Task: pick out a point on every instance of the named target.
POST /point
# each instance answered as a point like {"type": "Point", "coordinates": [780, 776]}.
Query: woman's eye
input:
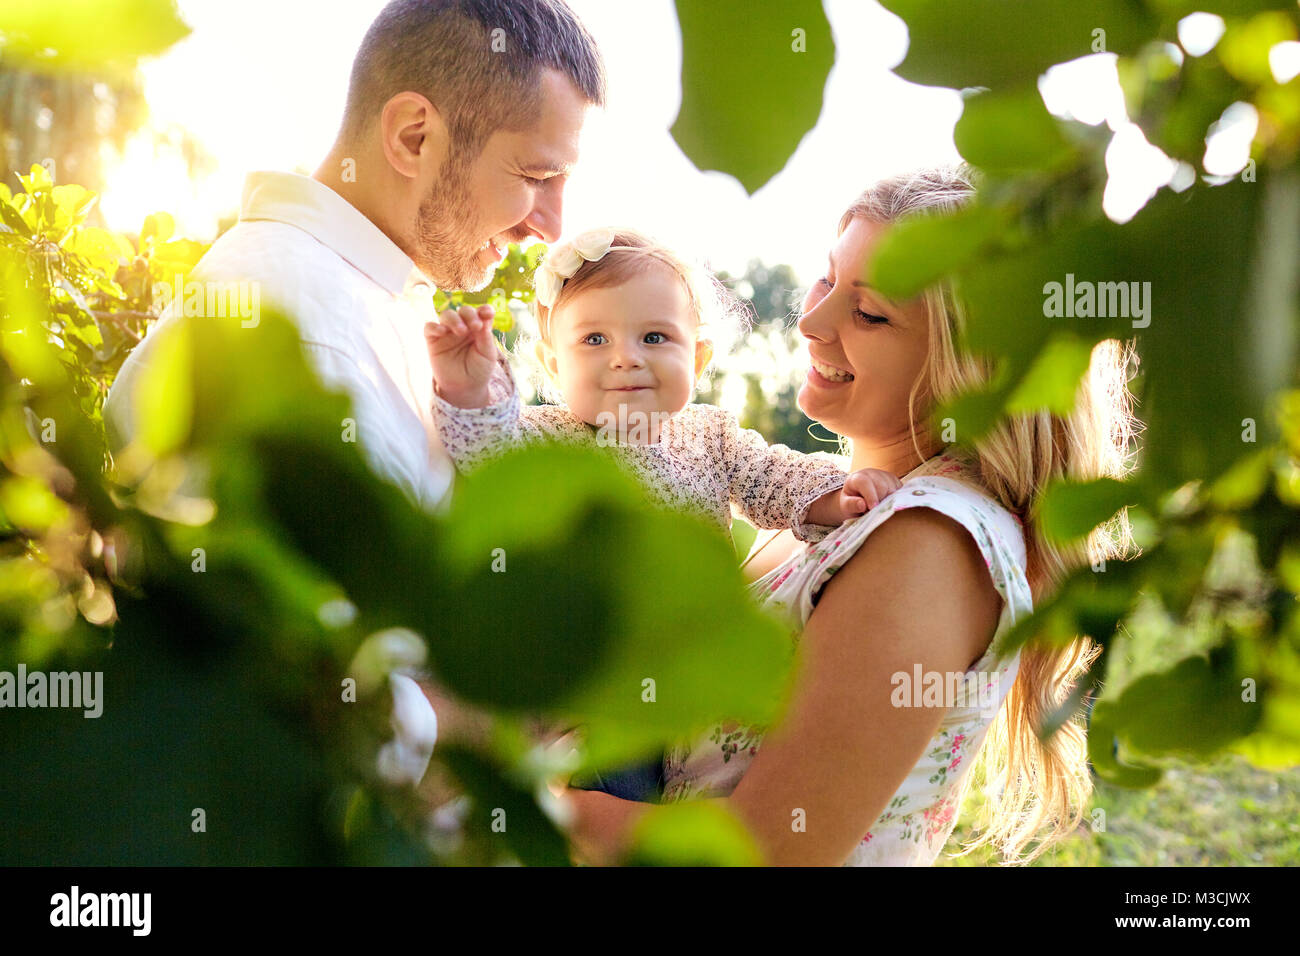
{"type": "Point", "coordinates": [824, 281]}
{"type": "Point", "coordinates": [869, 318]}
{"type": "Point", "coordinates": [655, 338]}
{"type": "Point", "coordinates": [588, 339]}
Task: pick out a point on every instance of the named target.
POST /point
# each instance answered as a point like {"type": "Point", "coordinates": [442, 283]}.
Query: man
{"type": "Point", "coordinates": [460, 129]}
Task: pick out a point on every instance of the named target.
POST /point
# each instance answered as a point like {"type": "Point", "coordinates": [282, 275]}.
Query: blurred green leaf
{"type": "Point", "coordinates": [1052, 381]}
{"type": "Point", "coordinates": [158, 226]}
{"type": "Point", "coordinates": [752, 82]}
{"type": "Point", "coordinates": [505, 812]}
{"type": "Point", "coordinates": [1194, 707]}
{"type": "Point", "coordinates": [88, 34]}
{"type": "Point", "coordinates": [915, 253]}
{"type": "Point", "coordinates": [1010, 132]}
{"type": "Point", "coordinates": [691, 834]}
{"type": "Point", "coordinates": [966, 43]}
{"type": "Point", "coordinates": [1070, 510]}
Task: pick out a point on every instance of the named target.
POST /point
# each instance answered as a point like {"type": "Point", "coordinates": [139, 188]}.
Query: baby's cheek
{"type": "Point", "coordinates": [683, 386]}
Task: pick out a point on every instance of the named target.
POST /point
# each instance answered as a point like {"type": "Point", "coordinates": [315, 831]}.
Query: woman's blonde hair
{"type": "Point", "coordinates": [721, 318]}
{"type": "Point", "coordinates": [1038, 787]}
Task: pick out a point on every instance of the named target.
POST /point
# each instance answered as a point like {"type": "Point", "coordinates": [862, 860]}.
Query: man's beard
{"type": "Point", "coordinates": [445, 234]}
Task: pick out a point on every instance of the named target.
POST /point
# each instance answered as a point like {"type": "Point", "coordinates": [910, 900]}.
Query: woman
{"type": "Point", "coordinates": [865, 766]}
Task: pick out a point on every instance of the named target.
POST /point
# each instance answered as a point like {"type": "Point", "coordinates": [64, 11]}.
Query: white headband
{"type": "Point", "coordinates": [564, 260]}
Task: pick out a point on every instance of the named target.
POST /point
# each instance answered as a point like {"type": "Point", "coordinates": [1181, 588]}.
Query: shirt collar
{"type": "Point", "coordinates": [316, 209]}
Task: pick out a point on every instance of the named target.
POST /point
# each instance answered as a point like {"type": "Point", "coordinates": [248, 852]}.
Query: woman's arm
{"type": "Point", "coordinates": [768, 552]}
{"type": "Point", "coordinates": [916, 592]}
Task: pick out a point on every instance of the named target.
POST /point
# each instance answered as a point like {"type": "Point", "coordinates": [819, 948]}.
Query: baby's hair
{"type": "Point", "coordinates": [721, 318]}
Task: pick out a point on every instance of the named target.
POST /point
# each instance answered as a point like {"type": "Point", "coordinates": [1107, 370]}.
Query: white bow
{"type": "Point", "coordinates": [564, 260]}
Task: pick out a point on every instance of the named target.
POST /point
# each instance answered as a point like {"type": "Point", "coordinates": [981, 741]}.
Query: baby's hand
{"type": "Point", "coordinates": [863, 490]}
{"type": "Point", "coordinates": [463, 354]}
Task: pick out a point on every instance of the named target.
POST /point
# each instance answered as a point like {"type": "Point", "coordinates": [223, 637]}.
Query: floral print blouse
{"type": "Point", "coordinates": [917, 821]}
{"type": "Point", "coordinates": [703, 462]}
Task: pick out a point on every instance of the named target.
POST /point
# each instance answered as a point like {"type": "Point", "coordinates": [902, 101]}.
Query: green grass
{"type": "Point", "coordinates": [1227, 813]}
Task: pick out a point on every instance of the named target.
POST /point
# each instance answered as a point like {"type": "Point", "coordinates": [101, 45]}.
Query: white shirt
{"type": "Point", "coordinates": [360, 305]}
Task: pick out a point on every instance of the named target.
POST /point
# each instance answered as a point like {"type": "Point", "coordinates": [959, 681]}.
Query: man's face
{"type": "Point", "coordinates": [513, 190]}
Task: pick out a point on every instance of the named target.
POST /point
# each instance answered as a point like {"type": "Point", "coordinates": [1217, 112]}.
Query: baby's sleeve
{"type": "Point", "coordinates": [473, 436]}
{"type": "Point", "coordinates": [773, 485]}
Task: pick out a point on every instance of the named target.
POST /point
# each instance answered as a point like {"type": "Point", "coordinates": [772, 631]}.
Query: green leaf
{"type": "Point", "coordinates": [1193, 708]}
{"type": "Point", "coordinates": [73, 204]}
{"type": "Point", "coordinates": [972, 414]}
{"type": "Point", "coordinates": [158, 226]}
{"type": "Point", "coordinates": [176, 257]}
{"type": "Point", "coordinates": [916, 253]}
{"type": "Point", "coordinates": [1103, 747]}
{"type": "Point", "coordinates": [162, 398]}
{"type": "Point", "coordinates": [88, 35]}
{"type": "Point", "coordinates": [1224, 8]}
{"type": "Point", "coordinates": [990, 43]}
{"type": "Point", "coordinates": [743, 535]}
{"type": "Point", "coordinates": [1052, 382]}
{"type": "Point", "coordinates": [36, 181]}
{"type": "Point", "coordinates": [752, 82]}
{"type": "Point", "coordinates": [1071, 510]}
{"type": "Point", "coordinates": [14, 220]}
{"type": "Point", "coordinates": [103, 249]}
{"type": "Point", "coordinates": [1244, 49]}
{"type": "Point", "coordinates": [1010, 131]}
{"type": "Point", "coordinates": [691, 834]}
{"type": "Point", "coordinates": [504, 812]}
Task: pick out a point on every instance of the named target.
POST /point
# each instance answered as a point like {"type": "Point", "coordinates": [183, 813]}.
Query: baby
{"type": "Point", "coordinates": [626, 329]}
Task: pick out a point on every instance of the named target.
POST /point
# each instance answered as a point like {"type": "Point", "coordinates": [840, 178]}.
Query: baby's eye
{"type": "Point", "coordinates": [587, 339]}
{"type": "Point", "coordinates": [655, 338]}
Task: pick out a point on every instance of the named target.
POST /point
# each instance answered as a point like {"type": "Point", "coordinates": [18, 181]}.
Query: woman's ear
{"type": "Point", "coordinates": [703, 352]}
{"type": "Point", "coordinates": [546, 357]}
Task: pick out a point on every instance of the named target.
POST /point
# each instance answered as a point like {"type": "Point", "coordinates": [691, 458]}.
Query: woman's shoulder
{"type": "Point", "coordinates": [974, 517]}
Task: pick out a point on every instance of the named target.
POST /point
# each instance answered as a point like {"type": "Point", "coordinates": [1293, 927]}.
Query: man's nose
{"type": "Point", "coordinates": [546, 220]}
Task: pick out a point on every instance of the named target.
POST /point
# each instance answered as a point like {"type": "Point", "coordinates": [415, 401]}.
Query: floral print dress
{"type": "Point", "coordinates": [917, 821]}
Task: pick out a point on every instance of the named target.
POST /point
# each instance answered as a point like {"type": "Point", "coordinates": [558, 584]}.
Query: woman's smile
{"type": "Point", "coordinates": [824, 373]}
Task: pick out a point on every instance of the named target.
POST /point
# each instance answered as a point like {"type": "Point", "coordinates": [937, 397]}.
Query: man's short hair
{"type": "Point", "coordinates": [479, 79]}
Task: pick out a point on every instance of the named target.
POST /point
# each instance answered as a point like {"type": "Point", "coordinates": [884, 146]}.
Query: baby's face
{"type": "Point", "coordinates": [633, 345]}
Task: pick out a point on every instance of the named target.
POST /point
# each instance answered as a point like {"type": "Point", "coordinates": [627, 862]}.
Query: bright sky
{"type": "Point", "coordinates": [261, 84]}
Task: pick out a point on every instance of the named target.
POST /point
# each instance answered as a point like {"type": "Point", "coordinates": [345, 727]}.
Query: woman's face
{"type": "Point", "coordinates": [867, 351]}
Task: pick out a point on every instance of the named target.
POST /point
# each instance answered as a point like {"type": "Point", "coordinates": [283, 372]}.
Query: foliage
{"type": "Point", "coordinates": [100, 284]}
{"type": "Point", "coordinates": [236, 566]}
{"type": "Point", "coordinates": [89, 35]}
{"type": "Point", "coordinates": [1217, 391]}
{"type": "Point", "coordinates": [742, 85]}
{"type": "Point", "coordinates": [215, 560]}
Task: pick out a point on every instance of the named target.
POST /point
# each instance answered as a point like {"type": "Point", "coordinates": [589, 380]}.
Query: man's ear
{"type": "Point", "coordinates": [703, 352]}
{"type": "Point", "coordinates": [413, 135]}
{"type": "Point", "coordinates": [546, 356]}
